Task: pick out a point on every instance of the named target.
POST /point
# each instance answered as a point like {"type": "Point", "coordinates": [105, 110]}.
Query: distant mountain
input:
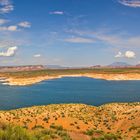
{"type": "Point", "coordinates": [55, 67]}
{"type": "Point", "coordinates": [21, 68]}
{"type": "Point", "coordinates": [96, 66]}
{"type": "Point", "coordinates": [138, 65]}
{"type": "Point", "coordinates": [119, 64]}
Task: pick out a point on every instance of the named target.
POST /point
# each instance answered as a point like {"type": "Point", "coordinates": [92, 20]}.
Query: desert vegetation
{"type": "Point", "coordinates": [76, 121]}
{"type": "Point", "coordinates": [11, 132]}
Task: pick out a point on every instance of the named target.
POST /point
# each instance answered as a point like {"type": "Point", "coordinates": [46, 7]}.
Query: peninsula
{"type": "Point", "coordinates": [30, 76]}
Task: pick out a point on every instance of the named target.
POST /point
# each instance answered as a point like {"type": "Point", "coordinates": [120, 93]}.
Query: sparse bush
{"type": "Point", "coordinates": [15, 133]}
{"type": "Point", "coordinates": [58, 127]}
{"type": "Point", "coordinates": [89, 132]}
{"type": "Point", "coordinates": [9, 132]}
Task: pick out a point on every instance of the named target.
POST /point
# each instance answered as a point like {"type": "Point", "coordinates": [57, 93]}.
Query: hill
{"type": "Point", "coordinates": [55, 67]}
{"type": "Point", "coordinates": [80, 122]}
{"type": "Point", "coordinates": [119, 64]}
{"type": "Point", "coordinates": [21, 68]}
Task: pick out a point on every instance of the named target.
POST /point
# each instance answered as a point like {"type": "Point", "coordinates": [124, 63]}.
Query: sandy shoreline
{"type": "Point", "coordinates": [33, 80]}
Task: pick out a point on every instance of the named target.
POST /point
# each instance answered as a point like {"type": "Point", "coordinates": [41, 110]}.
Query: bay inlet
{"type": "Point", "coordinates": [69, 90]}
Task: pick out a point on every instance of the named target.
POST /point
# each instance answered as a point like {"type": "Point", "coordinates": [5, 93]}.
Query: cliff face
{"type": "Point", "coordinates": [21, 68]}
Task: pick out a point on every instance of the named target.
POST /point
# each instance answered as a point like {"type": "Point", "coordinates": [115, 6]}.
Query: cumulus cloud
{"type": "Point", "coordinates": [14, 28]}
{"type": "Point", "coordinates": [11, 28]}
{"type": "Point", "coordinates": [10, 52]}
{"type": "Point", "coordinates": [79, 40]}
{"type": "Point", "coordinates": [25, 24]}
{"type": "Point", "coordinates": [119, 55]}
{"type": "Point", "coordinates": [37, 55]}
{"type": "Point", "coordinates": [57, 13]}
{"type": "Point", "coordinates": [130, 54]}
{"type": "Point", "coordinates": [7, 9]}
{"type": "Point", "coordinates": [127, 54]}
{"type": "Point", "coordinates": [6, 6]}
{"type": "Point", "coordinates": [130, 3]}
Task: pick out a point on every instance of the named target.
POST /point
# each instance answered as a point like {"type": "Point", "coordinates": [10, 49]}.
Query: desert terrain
{"type": "Point", "coordinates": [23, 78]}
{"type": "Point", "coordinates": [79, 121]}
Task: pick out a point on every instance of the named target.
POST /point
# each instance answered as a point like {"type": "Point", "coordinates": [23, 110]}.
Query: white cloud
{"type": "Point", "coordinates": [79, 40]}
{"type": "Point", "coordinates": [130, 54]}
{"type": "Point", "coordinates": [11, 28]}
{"type": "Point", "coordinates": [3, 21]}
{"type": "Point", "coordinates": [118, 40]}
{"type": "Point", "coordinates": [37, 55]}
{"type": "Point", "coordinates": [130, 3]}
{"type": "Point", "coordinates": [25, 24]}
{"type": "Point", "coordinates": [127, 54]}
{"type": "Point", "coordinates": [4, 2]}
{"type": "Point", "coordinates": [10, 52]}
{"type": "Point", "coordinates": [57, 13]}
{"type": "Point", "coordinates": [6, 9]}
{"type": "Point", "coordinates": [6, 6]}
{"type": "Point", "coordinates": [119, 55]}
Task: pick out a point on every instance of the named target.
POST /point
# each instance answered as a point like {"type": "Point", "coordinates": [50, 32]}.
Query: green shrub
{"type": "Point", "coordinates": [89, 132]}
{"type": "Point", "coordinates": [58, 127]}
{"type": "Point", "coordinates": [15, 133]}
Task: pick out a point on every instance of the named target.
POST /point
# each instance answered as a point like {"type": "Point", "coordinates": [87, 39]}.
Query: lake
{"type": "Point", "coordinates": [69, 90]}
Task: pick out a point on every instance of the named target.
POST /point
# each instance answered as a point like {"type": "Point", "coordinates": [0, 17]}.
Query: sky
{"type": "Point", "coordinates": [69, 32]}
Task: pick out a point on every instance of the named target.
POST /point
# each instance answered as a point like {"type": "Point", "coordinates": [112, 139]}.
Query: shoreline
{"type": "Point", "coordinates": [61, 104]}
{"type": "Point", "coordinates": [11, 81]}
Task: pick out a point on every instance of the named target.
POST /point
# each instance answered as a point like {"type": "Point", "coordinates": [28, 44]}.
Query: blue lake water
{"type": "Point", "coordinates": [69, 90]}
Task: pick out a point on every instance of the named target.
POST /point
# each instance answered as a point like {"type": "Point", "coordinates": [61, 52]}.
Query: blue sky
{"type": "Point", "coordinates": [69, 32]}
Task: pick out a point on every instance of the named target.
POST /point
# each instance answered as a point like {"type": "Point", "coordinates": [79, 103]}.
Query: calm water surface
{"type": "Point", "coordinates": [69, 90]}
